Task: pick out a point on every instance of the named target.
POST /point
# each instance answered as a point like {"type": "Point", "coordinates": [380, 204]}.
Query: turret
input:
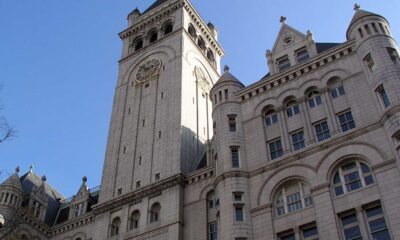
{"type": "Point", "coordinates": [378, 52]}
{"type": "Point", "coordinates": [213, 29]}
{"type": "Point", "coordinates": [133, 16]}
{"type": "Point", "coordinates": [234, 201]}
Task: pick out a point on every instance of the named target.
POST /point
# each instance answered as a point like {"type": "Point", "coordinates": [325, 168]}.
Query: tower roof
{"type": "Point", "coordinates": [154, 5]}
{"type": "Point", "coordinates": [13, 181]}
{"type": "Point", "coordinates": [361, 14]}
{"type": "Point", "coordinates": [228, 77]}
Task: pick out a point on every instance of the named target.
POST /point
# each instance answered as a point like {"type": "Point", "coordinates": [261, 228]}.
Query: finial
{"type": "Point", "coordinates": [356, 6]}
{"type": "Point", "coordinates": [226, 68]}
{"type": "Point", "coordinates": [283, 19]}
{"type": "Point", "coordinates": [31, 168]}
{"type": "Point", "coordinates": [44, 178]}
{"type": "Point", "coordinates": [84, 179]}
{"type": "Point", "coordinates": [17, 170]}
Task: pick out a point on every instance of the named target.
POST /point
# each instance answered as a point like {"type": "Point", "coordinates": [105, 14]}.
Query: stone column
{"type": "Point", "coordinates": [307, 122]}
{"type": "Point", "coordinates": [329, 111]}
{"type": "Point", "coordinates": [284, 130]}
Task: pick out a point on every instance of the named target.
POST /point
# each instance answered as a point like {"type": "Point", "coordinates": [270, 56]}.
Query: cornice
{"type": "Point", "coordinates": [72, 224]}
{"type": "Point", "coordinates": [136, 196]}
{"type": "Point", "coordinates": [200, 175]}
{"type": "Point", "coordinates": [150, 19]}
{"type": "Point", "coordinates": [296, 71]}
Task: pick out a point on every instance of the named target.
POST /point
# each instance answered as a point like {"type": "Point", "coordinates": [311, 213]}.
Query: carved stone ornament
{"type": "Point", "coordinates": [202, 80]}
{"type": "Point", "coordinates": [148, 70]}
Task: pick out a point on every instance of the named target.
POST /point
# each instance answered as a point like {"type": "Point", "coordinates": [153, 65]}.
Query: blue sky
{"type": "Point", "coordinates": [59, 60]}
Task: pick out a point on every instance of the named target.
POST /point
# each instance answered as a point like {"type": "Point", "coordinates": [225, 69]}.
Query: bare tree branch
{"type": "Point", "coordinates": [6, 131]}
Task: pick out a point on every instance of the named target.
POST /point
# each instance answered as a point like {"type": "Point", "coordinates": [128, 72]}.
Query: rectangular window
{"type": "Point", "coordinates": [322, 131]}
{"type": "Point", "coordinates": [337, 91]}
{"type": "Point", "coordinates": [232, 123]}
{"type": "Point", "coordinates": [213, 231]}
{"type": "Point", "coordinates": [287, 236]}
{"type": "Point", "coordinates": [283, 63]}
{"type": "Point", "coordinates": [292, 110]}
{"type": "Point", "coordinates": [302, 55]}
{"type": "Point", "coordinates": [235, 158]}
{"type": "Point", "coordinates": [383, 96]}
{"type": "Point", "coordinates": [350, 228]}
{"type": "Point", "coordinates": [271, 119]}
{"type": "Point", "coordinates": [157, 177]}
{"type": "Point", "coordinates": [346, 121]}
{"type": "Point", "coordinates": [239, 215]}
{"type": "Point", "coordinates": [376, 223]}
{"type": "Point", "coordinates": [298, 140]}
{"type": "Point", "coordinates": [294, 202]}
{"type": "Point", "coordinates": [238, 196]}
{"type": "Point", "coordinates": [138, 184]}
{"type": "Point", "coordinates": [369, 62]}
{"type": "Point", "coordinates": [394, 56]}
{"type": "Point", "coordinates": [315, 101]}
{"type": "Point", "coordinates": [275, 149]}
{"type": "Point", "coordinates": [226, 94]}
{"type": "Point", "coordinates": [309, 232]}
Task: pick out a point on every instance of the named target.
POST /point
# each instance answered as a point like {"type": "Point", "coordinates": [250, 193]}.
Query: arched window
{"type": "Point", "coordinates": [210, 55]}
{"type": "Point", "coordinates": [211, 199]}
{"type": "Point", "coordinates": [155, 212]}
{"type": "Point", "coordinates": [314, 98]}
{"type": "Point", "coordinates": [24, 237]}
{"type": "Point", "coordinates": [270, 117]}
{"type": "Point", "coordinates": [292, 108]}
{"type": "Point", "coordinates": [134, 220]}
{"type": "Point", "coordinates": [153, 36]}
{"type": "Point", "coordinates": [336, 87]}
{"type": "Point", "coordinates": [202, 44]}
{"type": "Point", "coordinates": [168, 28]}
{"type": "Point", "coordinates": [115, 226]}
{"type": "Point", "coordinates": [351, 176]}
{"type": "Point", "coordinates": [292, 196]}
{"type": "Point", "coordinates": [138, 44]}
{"type": "Point", "coordinates": [192, 31]}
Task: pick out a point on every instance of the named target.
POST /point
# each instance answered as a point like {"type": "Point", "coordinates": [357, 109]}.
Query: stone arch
{"type": "Point", "coordinates": [80, 235]}
{"type": "Point", "coordinates": [290, 92]}
{"type": "Point", "coordinates": [205, 191]}
{"type": "Point", "coordinates": [329, 161]}
{"type": "Point", "coordinates": [340, 73]}
{"type": "Point", "coordinates": [282, 174]}
{"type": "Point", "coordinates": [194, 59]}
{"type": "Point", "coordinates": [258, 110]}
{"type": "Point", "coordinates": [309, 83]}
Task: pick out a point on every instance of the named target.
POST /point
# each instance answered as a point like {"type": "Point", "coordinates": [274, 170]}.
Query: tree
{"type": "Point", "coordinates": [6, 131]}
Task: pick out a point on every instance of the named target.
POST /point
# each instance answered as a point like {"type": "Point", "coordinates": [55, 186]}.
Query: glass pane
{"type": "Point", "coordinates": [353, 186]}
{"type": "Point", "coordinates": [369, 180]}
{"type": "Point", "coordinates": [339, 191]}
{"type": "Point", "coordinates": [349, 166]}
{"type": "Point", "coordinates": [341, 90]}
{"type": "Point", "coordinates": [280, 211]}
{"type": "Point", "coordinates": [374, 211]}
{"type": "Point", "coordinates": [334, 93]}
{"type": "Point", "coordinates": [353, 232]}
{"type": "Point", "coordinates": [310, 232]}
{"type": "Point", "coordinates": [365, 168]}
{"type": "Point", "coordinates": [351, 177]}
{"type": "Point", "coordinates": [377, 224]}
{"type": "Point", "coordinates": [296, 109]}
{"type": "Point", "coordinates": [382, 235]}
{"type": "Point", "coordinates": [346, 220]}
{"type": "Point", "coordinates": [319, 100]}
{"type": "Point", "coordinates": [288, 237]}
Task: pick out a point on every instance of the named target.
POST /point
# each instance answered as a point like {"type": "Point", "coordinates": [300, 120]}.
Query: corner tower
{"type": "Point", "coordinates": [161, 119]}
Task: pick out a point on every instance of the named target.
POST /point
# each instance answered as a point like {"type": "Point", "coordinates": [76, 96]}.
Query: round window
{"type": "Point", "coordinates": [288, 40]}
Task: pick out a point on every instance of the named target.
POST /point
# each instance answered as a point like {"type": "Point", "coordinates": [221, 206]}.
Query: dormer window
{"type": "Point", "coordinates": [302, 55]}
{"type": "Point", "coordinates": [36, 209]}
{"type": "Point", "coordinates": [79, 209]}
{"type": "Point", "coordinates": [283, 63]}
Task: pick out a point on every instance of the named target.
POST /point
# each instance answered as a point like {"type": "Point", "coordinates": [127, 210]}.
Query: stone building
{"type": "Point", "coordinates": [310, 151]}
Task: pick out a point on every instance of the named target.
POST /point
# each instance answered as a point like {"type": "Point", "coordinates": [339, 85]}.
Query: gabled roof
{"type": "Point", "coordinates": [283, 32]}
{"type": "Point", "coordinates": [154, 5]}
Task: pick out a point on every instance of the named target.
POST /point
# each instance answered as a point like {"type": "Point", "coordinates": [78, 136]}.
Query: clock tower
{"type": "Point", "coordinates": [161, 122]}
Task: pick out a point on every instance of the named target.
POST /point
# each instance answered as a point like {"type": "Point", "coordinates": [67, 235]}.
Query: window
{"type": "Point", "coordinates": [168, 28]}
{"type": "Point", "coordinates": [336, 88]}
{"type": "Point", "coordinates": [134, 220]}
{"type": "Point", "coordinates": [350, 227]}
{"type": "Point", "coordinates": [153, 36]}
{"type": "Point", "coordinates": [155, 212]}
{"type": "Point", "coordinates": [237, 196]}
{"type": "Point", "coordinates": [351, 176]}
{"type": "Point", "coordinates": [298, 140]}
{"type": "Point", "coordinates": [275, 149]}
{"type": "Point", "coordinates": [383, 96]}
{"type": "Point", "coordinates": [157, 176]}
{"type": "Point", "coordinates": [192, 31]}
{"type": "Point", "coordinates": [36, 209]}
{"type": "Point", "coordinates": [24, 237]}
{"type": "Point", "coordinates": [287, 236]}
{"type": "Point", "coordinates": [369, 62]}
{"type": "Point", "coordinates": [394, 56]}
{"type": "Point", "coordinates": [302, 55]}
{"type": "Point", "coordinates": [211, 199]}
{"type": "Point", "coordinates": [314, 99]}
{"type": "Point", "coordinates": [322, 131]}
{"type": "Point", "coordinates": [115, 226]}
{"type": "Point", "coordinates": [271, 117]}
{"type": "Point", "coordinates": [201, 44]}
{"type": "Point", "coordinates": [235, 158]}
{"type": "Point", "coordinates": [210, 56]}
{"type": "Point", "coordinates": [291, 197]}
{"type": "Point", "coordinates": [377, 227]}
{"type": "Point", "coordinates": [138, 44]}
{"type": "Point", "coordinates": [346, 121]}
{"type": "Point", "coordinates": [232, 123]}
{"type": "Point", "coordinates": [283, 63]}
{"type": "Point", "coordinates": [239, 215]}
{"type": "Point", "coordinates": [213, 231]}
{"type": "Point", "coordinates": [138, 184]}
{"type": "Point", "coordinates": [309, 232]}
{"type": "Point", "coordinates": [292, 108]}
{"type": "Point", "coordinates": [79, 209]}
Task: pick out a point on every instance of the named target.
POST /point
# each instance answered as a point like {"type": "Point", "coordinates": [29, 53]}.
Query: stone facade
{"type": "Point", "coordinates": [311, 151]}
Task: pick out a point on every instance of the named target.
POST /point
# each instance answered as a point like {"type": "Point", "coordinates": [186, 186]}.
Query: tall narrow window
{"type": "Point", "coordinates": [394, 56]}
{"type": "Point", "coordinates": [377, 226]}
{"type": "Point", "coordinates": [232, 123]}
{"type": "Point", "coordinates": [384, 98]}
{"type": "Point", "coordinates": [292, 108]}
{"type": "Point", "coordinates": [235, 158]}
{"type": "Point", "coordinates": [153, 36]}
{"type": "Point", "coordinates": [314, 99]}
{"type": "Point", "coordinates": [350, 227]}
{"type": "Point", "coordinates": [271, 117]}
{"type": "Point", "coordinates": [115, 226]}
{"type": "Point", "coordinates": [336, 89]}
{"type": "Point", "coordinates": [322, 131]}
{"type": "Point", "coordinates": [239, 215]}
{"type": "Point", "coordinates": [350, 177]}
{"type": "Point", "coordinates": [275, 149]}
{"type": "Point", "coordinates": [369, 62]}
{"type": "Point", "coordinates": [212, 231]}
{"type": "Point", "coordinates": [283, 63]}
{"type": "Point", "coordinates": [211, 200]}
{"type": "Point", "coordinates": [155, 212]}
{"type": "Point", "coordinates": [192, 31]}
{"type": "Point", "coordinates": [298, 140]}
{"type": "Point", "coordinates": [168, 28]}
{"type": "Point", "coordinates": [138, 44]}
{"type": "Point", "coordinates": [201, 44]}
{"type": "Point", "coordinates": [302, 55]}
{"type": "Point", "coordinates": [346, 121]}
{"type": "Point", "coordinates": [134, 220]}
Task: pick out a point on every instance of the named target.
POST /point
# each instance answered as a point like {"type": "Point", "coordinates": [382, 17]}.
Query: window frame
{"type": "Point", "coordinates": [299, 143]}
{"type": "Point", "coordinates": [368, 62]}
{"type": "Point", "coordinates": [232, 122]}
{"type": "Point", "coordinates": [283, 63]}
{"type": "Point", "coordinates": [379, 216]}
{"type": "Point", "coordinates": [348, 123]}
{"type": "Point", "coordinates": [383, 96]}
{"type": "Point", "coordinates": [314, 98]}
{"type": "Point", "coordinates": [326, 133]}
{"type": "Point", "coordinates": [292, 108]}
{"type": "Point", "coordinates": [304, 57]}
{"type": "Point", "coordinates": [350, 225]}
{"type": "Point", "coordinates": [239, 212]}
{"type": "Point", "coordinates": [213, 229]}
{"type": "Point", "coordinates": [275, 149]}
{"type": "Point", "coordinates": [282, 206]}
{"type": "Point", "coordinates": [234, 150]}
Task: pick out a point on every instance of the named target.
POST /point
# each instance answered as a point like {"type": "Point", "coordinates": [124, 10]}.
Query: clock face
{"type": "Point", "coordinates": [148, 70]}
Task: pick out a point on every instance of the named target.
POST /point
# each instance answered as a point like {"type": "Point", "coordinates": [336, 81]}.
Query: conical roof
{"type": "Point", "coordinates": [13, 181]}
{"type": "Point", "coordinates": [228, 77]}
{"type": "Point", "coordinates": [154, 5]}
{"type": "Point", "coordinates": [361, 14]}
